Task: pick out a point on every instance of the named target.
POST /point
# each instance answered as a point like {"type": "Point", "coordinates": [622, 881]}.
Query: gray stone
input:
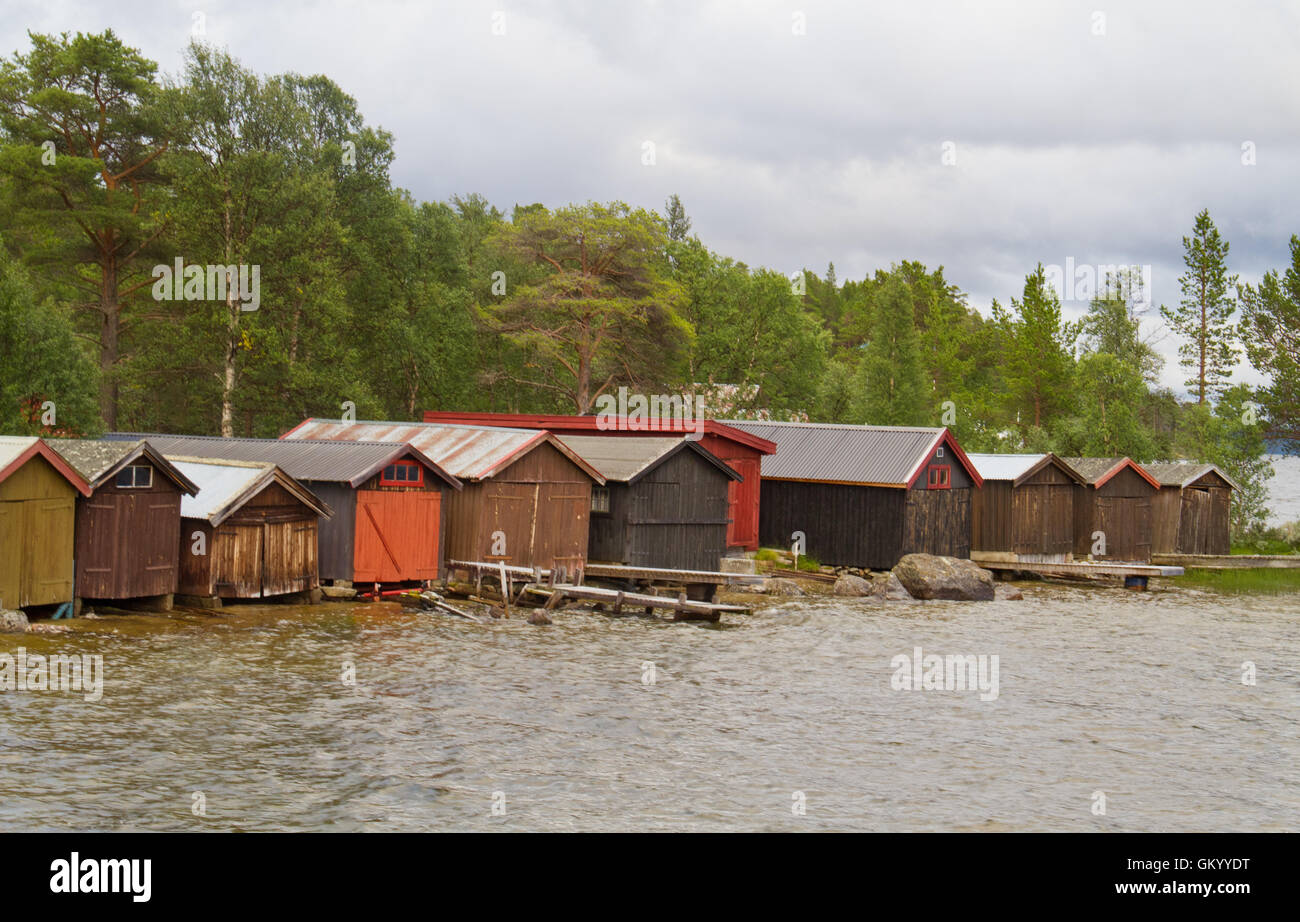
{"type": "Point", "coordinates": [743, 565]}
{"type": "Point", "coordinates": [888, 588]}
{"type": "Point", "coordinates": [1004, 592]}
{"type": "Point", "coordinates": [12, 622]}
{"type": "Point", "coordinates": [929, 577]}
{"type": "Point", "coordinates": [537, 616]}
{"type": "Point", "coordinates": [851, 586]}
{"type": "Point", "coordinates": [778, 585]}
{"type": "Point", "coordinates": [338, 592]}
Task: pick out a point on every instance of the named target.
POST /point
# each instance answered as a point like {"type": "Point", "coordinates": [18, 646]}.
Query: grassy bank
{"type": "Point", "coordinates": [1254, 580]}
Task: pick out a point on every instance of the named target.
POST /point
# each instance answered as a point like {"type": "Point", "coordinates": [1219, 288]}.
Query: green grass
{"type": "Point", "coordinates": [1263, 580]}
{"type": "Point", "coordinates": [767, 555]}
{"type": "Point", "coordinates": [809, 563]}
{"type": "Point", "coordinates": [1264, 546]}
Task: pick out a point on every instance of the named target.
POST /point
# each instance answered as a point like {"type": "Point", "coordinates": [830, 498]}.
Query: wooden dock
{"type": "Point", "coordinates": [1135, 575]}
{"type": "Point", "coordinates": [540, 581]}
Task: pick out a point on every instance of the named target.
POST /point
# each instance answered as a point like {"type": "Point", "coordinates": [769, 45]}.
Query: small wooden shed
{"type": "Point", "coordinates": [664, 503]}
{"type": "Point", "coordinates": [388, 524]}
{"type": "Point", "coordinates": [1114, 504]}
{"type": "Point", "coordinates": [1191, 510]}
{"type": "Point", "coordinates": [1025, 510]}
{"type": "Point", "coordinates": [38, 494]}
{"type": "Point", "coordinates": [865, 496]}
{"type": "Point", "coordinates": [526, 497]}
{"type": "Point", "coordinates": [129, 528]}
{"type": "Point", "coordinates": [249, 533]}
{"type": "Point", "coordinates": [742, 451]}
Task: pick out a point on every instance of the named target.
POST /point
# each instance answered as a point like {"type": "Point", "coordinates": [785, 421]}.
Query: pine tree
{"type": "Point", "coordinates": [891, 380]}
{"type": "Point", "coordinates": [1204, 316]}
{"type": "Point", "coordinates": [1039, 367]}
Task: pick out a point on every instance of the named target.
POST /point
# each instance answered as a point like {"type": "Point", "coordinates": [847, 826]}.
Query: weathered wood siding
{"type": "Point", "coordinates": [267, 547]}
{"type": "Point", "coordinates": [37, 522]}
{"type": "Point", "coordinates": [540, 505]}
{"type": "Point", "coordinates": [128, 539]}
{"type": "Point", "coordinates": [937, 522]}
{"type": "Point", "coordinates": [843, 525]}
{"type": "Point", "coordinates": [1194, 519]}
{"type": "Point", "coordinates": [1121, 510]}
{"type": "Point", "coordinates": [337, 539]}
{"type": "Point", "coordinates": [1034, 520]}
{"type": "Point", "coordinates": [675, 517]}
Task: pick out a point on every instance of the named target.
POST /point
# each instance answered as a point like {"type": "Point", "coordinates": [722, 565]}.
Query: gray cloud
{"type": "Point", "coordinates": [796, 150]}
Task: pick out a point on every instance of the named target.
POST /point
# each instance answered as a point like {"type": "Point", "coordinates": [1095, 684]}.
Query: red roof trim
{"type": "Point", "coordinates": [1126, 462]}
{"type": "Point", "coordinates": [590, 424]}
{"type": "Point", "coordinates": [946, 438]}
{"type": "Point", "coordinates": [56, 461]}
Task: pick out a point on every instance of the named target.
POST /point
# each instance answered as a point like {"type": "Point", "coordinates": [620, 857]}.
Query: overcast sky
{"type": "Point", "coordinates": [804, 133]}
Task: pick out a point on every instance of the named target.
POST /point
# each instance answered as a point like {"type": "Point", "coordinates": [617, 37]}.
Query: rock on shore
{"type": "Point", "coordinates": [925, 576]}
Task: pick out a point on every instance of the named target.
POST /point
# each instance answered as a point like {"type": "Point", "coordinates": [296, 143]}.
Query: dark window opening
{"type": "Point", "coordinates": [134, 477]}
{"type": "Point", "coordinates": [402, 474]}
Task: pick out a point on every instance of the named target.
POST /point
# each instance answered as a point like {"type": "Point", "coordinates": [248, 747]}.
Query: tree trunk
{"type": "Point", "coordinates": [111, 313]}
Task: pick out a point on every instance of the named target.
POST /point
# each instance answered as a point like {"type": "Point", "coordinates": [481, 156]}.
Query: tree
{"type": "Point", "coordinates": [1038, 367]}
{"type": "Point", "coordinates": [1232, 436]}
{"type": "Point", "coordinates": [47, 381]}
{"type": "Point", "coordinates": [1270, 329]}
{"type": "Point", "coordinates": [599, 308]}
{"type": "Point", "coordinates": [679, 225]}
{"type": "Point", "coordinates": [1113, 326]}
{"type": "Point", "coordinates": [1204, 316]}
{"type": "Point", "coordinates": [891, 381]}
{"type": "Point", "coordinates": [89, 217]}
{"type": "Point", "coordinates": [1110, 393]}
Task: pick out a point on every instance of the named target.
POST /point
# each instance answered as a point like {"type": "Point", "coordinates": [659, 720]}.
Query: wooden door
{"type": "Point", "coordinates": [290, 563]}
{"type": "Point", "coordinates": [562, 525]}
{"type": "Point", "coordinates": [511, 510]}
{"type": "Point", "coordinates": [1126, 523]}
{"type": "Point", "coordinates": [237, 561]}
{"type": "Point", "coordinates": [742, 504]}
{"type": "Point", "coordinates": [48, 551]}
{"type": "Point", "coordinates": [397, 536]}
{"type": "Point", "coordinates": [11, 554]}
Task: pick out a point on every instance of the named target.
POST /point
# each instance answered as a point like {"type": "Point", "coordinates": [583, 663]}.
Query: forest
{"type": "Point", "coordinates": [372, 302]}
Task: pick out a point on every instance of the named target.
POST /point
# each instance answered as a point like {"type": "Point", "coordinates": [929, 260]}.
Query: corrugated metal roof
{"type": "Point", "coordinates": [226, 484]}
{"type": "Point", "coordinates": [1182, 473]}
{"type": "Point", "coordinates": [468, 452]}
{"type": "Point", "coordinates": [625, 458]}
{"type": "Point", "coordinates": [882, 455]}
{"type": "Point", "coordinates": [302, 459]}
{"type": "Point", "coordinates": [1003, 467]}
{"type": "Point", "coordinates": [13, 446]}
{"type": "Point", "coordinates": [593, 423]}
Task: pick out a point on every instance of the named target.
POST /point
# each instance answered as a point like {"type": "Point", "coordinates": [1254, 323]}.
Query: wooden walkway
{"type": "Point", "coordinates": [557, 589]}
{"type": "Point", "coordinates": [1135, 575]}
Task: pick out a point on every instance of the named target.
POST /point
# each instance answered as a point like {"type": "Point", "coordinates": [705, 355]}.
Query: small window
{"type": "Point", "coordinates": [600, 499]}
{"type": "Point", "coordinates": [402, 474]}
{"type": "Point", "coordinates": [938, 477]}
{"type": "Point", "coordinates": [938, 453]}
{"type": "Point", "coordinates": [135, 477]}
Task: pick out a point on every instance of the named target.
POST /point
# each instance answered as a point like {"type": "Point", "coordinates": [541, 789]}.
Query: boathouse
{"type": "Point", "coordinates": [1191, 510]}
{"type": "Point", "coordinates": [526, 499]}
{"type": "Point", "coordinates": [1025, 510]}
{"type": "Point", "coordinates": [1112, 509]}
{"type": "Point", "coordinates": [249, 533]}
{"type": "Point", "coordinates": [38, 494]}
{"type": "Point", "coordinates": [388, 524]}
{"type": "Point", "coordinates": [741, 450]}
{"type": "Point", "coordinates": [129, 528]}
{"type": "Point", "coordinates": [664, 502]}
{"type": "Point", "coordinates": [864, 496]}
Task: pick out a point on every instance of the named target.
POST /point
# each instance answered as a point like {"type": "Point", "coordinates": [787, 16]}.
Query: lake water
{"type": "Point", "coordinates": [1138, 696]}
{"type": "Point", "coordinates": [1284, 490]}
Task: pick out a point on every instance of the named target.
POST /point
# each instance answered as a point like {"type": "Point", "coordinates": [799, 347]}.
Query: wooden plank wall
{"type": "Point", "coordinates": [37, 525]}
{"type": "Point", "coordinates": [128, 540]}
{"type": "Point", "coordinates": [845, 525]}
{"type": "Point", "coordinates": [937, 522]}
{"type": "Point", "coordinates": [677, 515]}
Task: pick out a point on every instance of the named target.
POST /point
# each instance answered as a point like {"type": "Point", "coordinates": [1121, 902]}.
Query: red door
{"type": "Point", "coordinates": [742, 504]}
{"type": "Point", "coordinates": [397, 536]}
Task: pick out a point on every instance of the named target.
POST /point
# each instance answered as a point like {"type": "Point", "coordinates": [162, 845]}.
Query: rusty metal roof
{"type": "Point", "coordinates": [467, 452]}
{"type": "Point", "coordinates": [97, 461]}
{"type": "Point", "coordinates": [352, 463]}
{"type": "Point", "coordinates": [627, 458]}
{"type": "Point", "coordinates": [1185, 473]}
{"type": "Point", "coordinates": [887, 456]}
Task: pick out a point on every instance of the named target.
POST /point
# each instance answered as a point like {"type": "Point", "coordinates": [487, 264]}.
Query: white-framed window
{"type": "Point", "coordinates": [135, 477]}
{"type": "Point", "coordinates": [600, 499]}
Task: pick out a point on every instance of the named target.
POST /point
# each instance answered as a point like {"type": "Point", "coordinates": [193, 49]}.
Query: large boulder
{"type": "Point", "coordinates": [851, 585]}
{"type": "Point", "coordinates": [12, 622]}
{"type": "Point", "coordinates": [928, 577]}
{"type": "Point", "coordinates": [888, 588]}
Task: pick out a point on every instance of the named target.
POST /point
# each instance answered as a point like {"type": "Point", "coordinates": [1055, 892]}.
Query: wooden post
{"type": "Point", "coordinates": [505, 591]}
